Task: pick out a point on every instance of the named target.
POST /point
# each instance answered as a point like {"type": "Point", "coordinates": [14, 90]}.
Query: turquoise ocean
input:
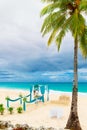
{"type": "Point", "coordinates": [64, 87]}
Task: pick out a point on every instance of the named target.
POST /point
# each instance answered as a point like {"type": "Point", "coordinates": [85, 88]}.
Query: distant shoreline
{"type": "Point", "coordinates": [51, 91]}
{"type": "Point", "coordinates": [57, 87]}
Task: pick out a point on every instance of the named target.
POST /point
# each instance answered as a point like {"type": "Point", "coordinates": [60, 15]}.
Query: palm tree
{"type": "Point", "coordinates": [62, 16]}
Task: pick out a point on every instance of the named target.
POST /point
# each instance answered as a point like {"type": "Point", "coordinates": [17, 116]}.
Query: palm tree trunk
{"type": "Point", "coordinates": [73, 121]}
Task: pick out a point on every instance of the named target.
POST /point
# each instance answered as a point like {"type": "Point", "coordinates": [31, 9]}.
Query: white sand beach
{"type": "Point", "coordinates": [39, 114]}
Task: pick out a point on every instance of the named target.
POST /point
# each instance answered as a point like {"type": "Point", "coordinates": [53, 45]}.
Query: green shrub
{"type": "Point", "coordinates": [19, 109]}
{"type": "Point", "coordinates": [2, 109]}
{"type": "Point", "coordinates": [24, 99]}
{"type": "Point", "coordinates": [1, 105]}
{"type": "Point", "coordinates": [10, 109]}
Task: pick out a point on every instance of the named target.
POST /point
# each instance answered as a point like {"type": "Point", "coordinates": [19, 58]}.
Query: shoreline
{"type": "Point", "coordinates": [51, 91]}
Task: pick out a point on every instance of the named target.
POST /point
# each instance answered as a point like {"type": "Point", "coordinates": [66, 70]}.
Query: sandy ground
{"type": "Point", "coordinates": [39, 114]}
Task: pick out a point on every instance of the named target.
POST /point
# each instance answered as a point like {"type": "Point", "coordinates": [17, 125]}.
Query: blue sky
{"type": "Point", "coordinates": [24, 54]}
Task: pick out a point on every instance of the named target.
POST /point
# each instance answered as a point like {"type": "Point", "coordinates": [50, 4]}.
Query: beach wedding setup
{"type": "Point", "coordinates": [36, 94]}
{"type": "Point", "coordinates": [43, 108]}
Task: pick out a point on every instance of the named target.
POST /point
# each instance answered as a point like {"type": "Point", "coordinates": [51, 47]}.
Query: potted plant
{"type": "Point", "coordinates": [19, 109]}
{"type": "Point", "coordinates": [24, 99]}
{"type": "Point", "coordinates": [2, 109]}
{"type": "Point", "coordinates": [1, 105]}
{"type": "Point", "coordinates": [10, 109]}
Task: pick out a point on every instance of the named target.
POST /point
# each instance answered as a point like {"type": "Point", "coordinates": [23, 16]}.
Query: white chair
{"type": "Point", "coordinates": [56, 112]}
{"type": "Point", "coordinates": [60, 113]}
{"type": "Point", "coordinates": [53, 112]}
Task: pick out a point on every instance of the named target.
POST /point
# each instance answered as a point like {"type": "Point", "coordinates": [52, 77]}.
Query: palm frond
{"type": "Point", "coordinates": [81, 24]}
{"type": "Point", "coordinates": [49, 8]}
{"type": "Point", "coordinates": [49, 0]}
{"type": "Point", "coordinates": [83, 6]}
{"type": "Point", "coordinates": [74, 24]}
{"type": "Point", "coordinates": [57, 0]}
{"type": "Point", "coordinates": [64, 29]}
{"type": "Point", "coordinates": [59, 38]}
{"type": "Point", "coordinates": [56, 28]}
{"type": "Point", "coordinates": [51, 18]}
{"type": "Point", "coordinates": [77, 24]}
{"type": "Point", "coordinates": [52, 24]}
{"type": "Point", "coordinates": [83, 43]}
{"type": "Point", "coordinates": [55, 5]}
{"type": "Point", "coordinates": [52, 36]}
